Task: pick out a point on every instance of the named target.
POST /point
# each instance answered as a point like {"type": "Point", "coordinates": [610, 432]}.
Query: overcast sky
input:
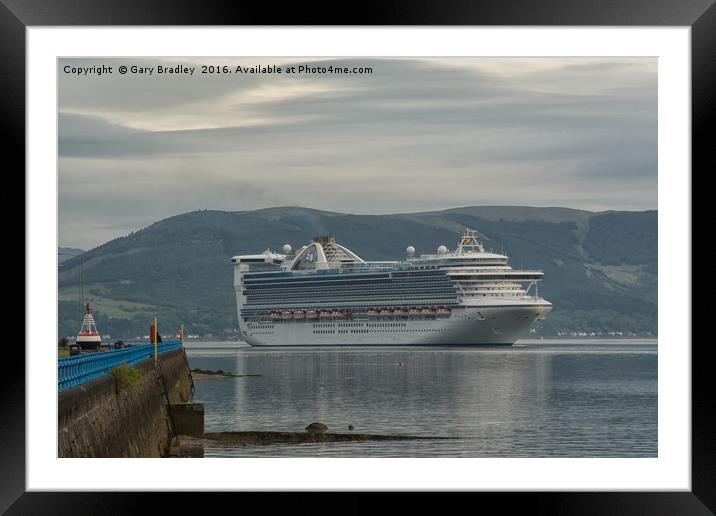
{"type": "Point", "coordinates": [414, 135]}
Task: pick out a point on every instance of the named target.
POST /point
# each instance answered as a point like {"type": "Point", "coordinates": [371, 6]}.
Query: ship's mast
{"type": "Point", "coordinates": [469, 243]}
{"type": "Point", "coordinates": [81, 289]}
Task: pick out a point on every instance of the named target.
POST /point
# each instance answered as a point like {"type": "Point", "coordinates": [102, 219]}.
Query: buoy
{"type": "Point", "coordinates": [88, 336]}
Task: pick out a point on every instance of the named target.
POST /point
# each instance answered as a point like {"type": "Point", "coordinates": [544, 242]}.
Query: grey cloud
{"type": "Point", "coordinates": [416, 134]}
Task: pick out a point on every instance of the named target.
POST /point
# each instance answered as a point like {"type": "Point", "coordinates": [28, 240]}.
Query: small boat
{"type": "Point", "coordinates": [372, 312]}
{"type": "Point", "coordinates": [299, 314]}
{"type": "Point", "coordinates": [414, 312]}
{"type": "Point", "coordinates": [275, 315]}
{"type": "Point", "coordinates": [337, 314]}
{"type": "Point", "coordinates": [286, 315]}
{"type": "Point", "coordinates": [443, 311]}
{"type": "Point", "coordinates": [325, 314]}
{"type": "Point", "coordinates": [311, 314]}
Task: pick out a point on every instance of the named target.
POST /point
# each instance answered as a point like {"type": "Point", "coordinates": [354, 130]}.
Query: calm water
{"type": "Point", "coordinates": [566, 399]}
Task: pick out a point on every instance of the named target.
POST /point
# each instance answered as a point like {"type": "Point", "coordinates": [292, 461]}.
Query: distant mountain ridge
{"type": "Point", "coordinates": [600, 267]}
{"type": "Point", "coordinates": [65, 253]}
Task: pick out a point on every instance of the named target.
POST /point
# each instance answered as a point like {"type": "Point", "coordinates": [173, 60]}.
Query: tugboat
{"type": "Point", "coordinates": [88, 338]}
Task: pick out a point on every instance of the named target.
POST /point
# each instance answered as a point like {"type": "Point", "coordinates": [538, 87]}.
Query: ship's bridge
{"type": "Point", "coordinates": [469, 251]}
{"type": "Point", "coordinates": [478, 273]}
{"type": "Point", "coordinates": [452, 259]}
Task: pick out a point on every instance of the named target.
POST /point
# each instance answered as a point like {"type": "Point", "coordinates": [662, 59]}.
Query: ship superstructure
{"type": "Point", "coordinates": [325, 294]}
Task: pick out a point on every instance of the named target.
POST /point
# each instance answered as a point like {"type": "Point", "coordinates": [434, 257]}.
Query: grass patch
{"type": "Point", "coordinates": [63, 352]}
{"type": "Point", "coordinates": [125, 375]}
{"type": "Point", "coordinates": [105, 305]}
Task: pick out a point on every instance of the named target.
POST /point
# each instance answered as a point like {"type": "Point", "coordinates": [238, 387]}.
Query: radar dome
{"type": "Point", "coordinates": [442, 250]}
{"type": "Point", "coordinates": [287, 249]}
{"type": "Point", "coordinates": [410, 250]}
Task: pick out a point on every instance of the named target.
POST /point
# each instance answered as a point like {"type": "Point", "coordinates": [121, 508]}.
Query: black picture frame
{"type": "Point", "coordinates": [17, 15]}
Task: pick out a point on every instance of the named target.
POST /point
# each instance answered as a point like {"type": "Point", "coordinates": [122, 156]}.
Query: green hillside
{"type": "Point", "coordinates": [600, 268]}
{"type": "Point", "coordinates": [65, 253]}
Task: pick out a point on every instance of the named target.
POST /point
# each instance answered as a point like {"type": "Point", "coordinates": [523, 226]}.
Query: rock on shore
{"type": "Point", "coordinates": [316, 428]}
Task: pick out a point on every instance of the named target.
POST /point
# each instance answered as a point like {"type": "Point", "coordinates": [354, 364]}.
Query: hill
{"type": "Point", "coordinates": [600, 268]}
{"type": "Point", "coordinates": [65, 253]}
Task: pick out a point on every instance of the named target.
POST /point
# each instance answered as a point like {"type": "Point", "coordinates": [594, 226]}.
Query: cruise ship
{"type": "Point", "coordinates": [324, 294]}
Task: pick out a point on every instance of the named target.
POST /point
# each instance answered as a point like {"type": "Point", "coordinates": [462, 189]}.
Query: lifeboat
{"type": "Point", "coordinates": [325, 314]}
{"type": "Point", "coordinates": [286, 315]}
{"type": "Point", "coordinates": [443, 311]}
{"type": "Point", "coordinates": [299, 314]}
{"type": "Point", "coordinates": [337, 314]}
{"type": "Point", "coordinates": [414, 312]}
{"type": "Point", "coordinates": [372, 312]}
{"type": "Point", "coordinates": [311, 314]}
{"type": "Point", "coordinates": [404, 312]}
{"type": "Point", "coordinates": [427, 311]}
{"type": "Point", "coordinates": [275, 315]}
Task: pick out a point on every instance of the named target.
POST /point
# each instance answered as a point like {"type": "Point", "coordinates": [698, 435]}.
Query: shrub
{"type": "Point", "coordinates": [125, 375]}
{"type": "Point", "coordinates": [62, 343]}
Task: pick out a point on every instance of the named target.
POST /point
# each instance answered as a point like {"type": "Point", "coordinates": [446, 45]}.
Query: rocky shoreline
{"type": "Point", "coordinates": [204, 374]}
{"type": "Point", "coordinates": [263, 438]}
{"type": "Point", "coordinates": [194, 446]}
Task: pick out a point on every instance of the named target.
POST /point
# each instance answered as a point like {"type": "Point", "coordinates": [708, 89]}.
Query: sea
{"type": "Point", "coordinates": [551, 398]}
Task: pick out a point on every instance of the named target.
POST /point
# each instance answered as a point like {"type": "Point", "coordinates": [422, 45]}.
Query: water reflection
{"type": "Point", "coordinates": [520, 401]}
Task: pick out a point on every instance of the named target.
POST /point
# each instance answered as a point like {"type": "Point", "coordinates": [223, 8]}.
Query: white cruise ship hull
{"type": "Point", "coordinates": [466, 325]}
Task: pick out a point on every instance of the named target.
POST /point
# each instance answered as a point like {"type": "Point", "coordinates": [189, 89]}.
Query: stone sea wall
{"type": "Point", "coordinates": [103, 419]}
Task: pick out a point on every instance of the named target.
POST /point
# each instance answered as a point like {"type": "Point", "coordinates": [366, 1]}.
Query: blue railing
{"type": "Point", "coordinates": [78, 369]}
